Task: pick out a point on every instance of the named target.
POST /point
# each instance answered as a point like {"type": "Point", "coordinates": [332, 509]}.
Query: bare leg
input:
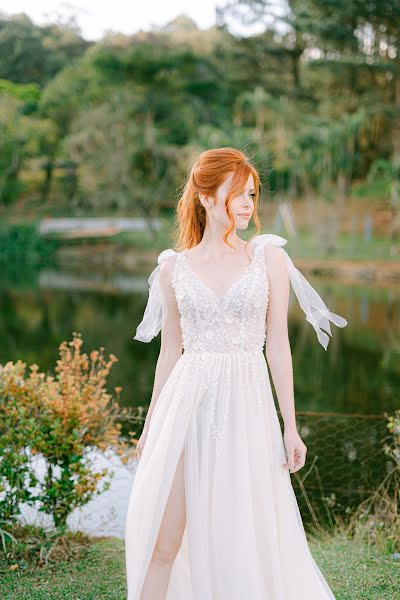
{"type": "Point", "coordinates": [169, 539]}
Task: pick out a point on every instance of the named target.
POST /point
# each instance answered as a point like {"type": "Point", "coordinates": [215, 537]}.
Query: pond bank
{"type": "Point", "coordinates": [125, 258]}
{"type": "Point", "coordinates": [378, 272]}
{"type": "Point", "coordinates": [352, 569]}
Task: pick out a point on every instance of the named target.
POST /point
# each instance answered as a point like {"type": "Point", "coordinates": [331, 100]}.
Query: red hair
{"type": "Point", "coordinates": [208, 172]}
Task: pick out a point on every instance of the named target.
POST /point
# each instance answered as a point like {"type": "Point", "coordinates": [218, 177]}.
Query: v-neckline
{"type": "Point", "coordinates": [231, 287]}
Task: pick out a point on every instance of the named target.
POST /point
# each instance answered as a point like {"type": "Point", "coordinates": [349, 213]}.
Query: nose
{"type": "Point", "coordinates": [246, 202]}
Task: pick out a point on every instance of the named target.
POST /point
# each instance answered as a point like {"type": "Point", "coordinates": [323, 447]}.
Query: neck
{"type": "Point", "coordinates": [213, 240]}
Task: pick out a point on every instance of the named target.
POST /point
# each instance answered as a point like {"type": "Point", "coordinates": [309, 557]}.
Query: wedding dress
{"type": "Point", "coordinates": [244, 538]}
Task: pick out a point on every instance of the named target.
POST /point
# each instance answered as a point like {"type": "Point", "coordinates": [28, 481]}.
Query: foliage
{"type": "Point", "coordinates": [23, 243]}
{"type": "Point", "coordinates": [30, 53]}
{"type": "Point", "coordinates": [60, 419]}
{"type": "Point", "coordinates": [28, 92]}
{"type": "Point", "coordinates": [23, 136]}
{"type": "Point", "coordinates": [392, 448]}
{"type": "Point", "coordinates": [35, 546]}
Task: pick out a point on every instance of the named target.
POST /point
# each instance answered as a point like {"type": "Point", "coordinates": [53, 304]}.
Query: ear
{"type": "Point", "coordinates": [205, 200]}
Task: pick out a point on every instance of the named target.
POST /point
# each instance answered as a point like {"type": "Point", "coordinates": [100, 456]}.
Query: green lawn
{"type": "Point", "coordinates": [353, 570]}
{"type": "Point", "coordinates": [99, 576]}
{"type": "Point", "coordinates": [356, 571]}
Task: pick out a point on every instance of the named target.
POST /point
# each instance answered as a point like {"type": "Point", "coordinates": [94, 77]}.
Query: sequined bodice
{"type": "Point", "coordinates": [231, 322]}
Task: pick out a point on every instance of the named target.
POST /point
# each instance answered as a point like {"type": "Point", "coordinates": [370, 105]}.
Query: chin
{"type": "Point", "coordinates": [242, 225]}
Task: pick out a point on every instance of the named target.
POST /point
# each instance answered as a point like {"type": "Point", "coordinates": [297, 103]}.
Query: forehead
{"type": "Point", "coordinates": [249, 183]}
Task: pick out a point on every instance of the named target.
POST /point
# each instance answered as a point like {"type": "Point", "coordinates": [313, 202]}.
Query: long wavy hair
{"type": "Point", "coordinates": [208, 172]}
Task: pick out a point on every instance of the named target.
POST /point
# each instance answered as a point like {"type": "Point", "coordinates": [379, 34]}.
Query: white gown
{"type": "Point", "coordinates": [244, 537]}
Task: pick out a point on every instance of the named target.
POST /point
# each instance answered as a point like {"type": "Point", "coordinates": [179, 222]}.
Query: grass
{"type": "Point", "coordinates": [355, 571]}
{"type": "Point", "coordinates": [376, 189]}
{"type": "Point", "coordinates": [98, 575]}
{"type": "Point", "coordinates": [347, 247]}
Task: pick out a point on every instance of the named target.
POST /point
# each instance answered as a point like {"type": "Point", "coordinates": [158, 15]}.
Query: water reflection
{"type": "Point", "coordinates": [358, 373]}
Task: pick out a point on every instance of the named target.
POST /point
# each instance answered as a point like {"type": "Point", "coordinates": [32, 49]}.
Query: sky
{"type": "Point", "coordinates": [125, 16]}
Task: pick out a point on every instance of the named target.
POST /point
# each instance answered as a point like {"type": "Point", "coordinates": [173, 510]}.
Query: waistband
{"type": "Point", "coordinates": [223, 352]}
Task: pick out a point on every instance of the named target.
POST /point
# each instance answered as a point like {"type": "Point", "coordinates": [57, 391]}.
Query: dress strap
{"type": "Point", "coordinates": [315, 309]}
{"type": "Point", "coordinates": [258, 252]}
{"type": "Point", "coordinates": [151, 323]}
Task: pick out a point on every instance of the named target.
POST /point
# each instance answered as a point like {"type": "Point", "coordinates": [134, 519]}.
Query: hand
{"type": "Point", "coordinates": [296, 450]}
{"type": "Point", "coordinates": [141, 442]}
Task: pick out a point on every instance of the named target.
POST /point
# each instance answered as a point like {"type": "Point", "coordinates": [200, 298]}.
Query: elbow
{"type": "Point", "coordinates": [277, 346]}
{"type": "Point", "coordinates": [170, 352]}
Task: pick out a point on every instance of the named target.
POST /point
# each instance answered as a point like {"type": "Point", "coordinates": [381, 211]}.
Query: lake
{"type": "Point", "coordinates": [341, 394]}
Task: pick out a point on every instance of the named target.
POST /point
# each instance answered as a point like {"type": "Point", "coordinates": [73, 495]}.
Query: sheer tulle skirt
{"type": "Point", "coordinates": [244, 536]}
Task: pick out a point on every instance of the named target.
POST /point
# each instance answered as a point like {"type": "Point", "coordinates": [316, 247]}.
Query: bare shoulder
{"type": "Point", "coordinates": [167, 268]}
{"type": "Point", "coordinates": [274, 258]}
{"type": "Point", "coordinates": [277, 272]}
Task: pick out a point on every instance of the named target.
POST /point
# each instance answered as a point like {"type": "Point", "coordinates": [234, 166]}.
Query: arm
{"type": "Point", "coordinates": [278, 351]}
{"type": "Point", "coordinates": [171, 335]}
{"type": "Point", "coordinates": [277, 345]}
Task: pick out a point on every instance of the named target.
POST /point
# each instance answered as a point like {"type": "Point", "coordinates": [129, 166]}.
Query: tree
{"type": "Point", "coordinates": [22, 136]}
{"type": "Point", "coordinates": [283, 40]}
{"type": "Point", "coordinates": [29, 53]}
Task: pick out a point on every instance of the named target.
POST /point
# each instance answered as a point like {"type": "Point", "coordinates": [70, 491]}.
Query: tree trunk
{"type": "Point", "coordinates": [48, 172]}
{"type": "Point", "coordinates": [396, 122]}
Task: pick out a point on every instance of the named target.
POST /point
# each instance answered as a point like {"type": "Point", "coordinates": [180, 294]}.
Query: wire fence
{"type": "Point", "coordinates": [345, 459]}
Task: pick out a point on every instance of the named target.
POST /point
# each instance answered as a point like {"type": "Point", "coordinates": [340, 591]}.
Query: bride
{"type": "Point", "coordinates": [212, 513]}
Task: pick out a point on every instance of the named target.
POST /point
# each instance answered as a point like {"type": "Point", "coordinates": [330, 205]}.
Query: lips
{"type": "Point", "coordinates": [247, 215]}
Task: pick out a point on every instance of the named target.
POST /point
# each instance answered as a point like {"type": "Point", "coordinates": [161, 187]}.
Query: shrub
{"type": "Point", "coordinates": [21, 242]}
{"type": "Point", "coordinates": [392, 448]}
{"type": "Point", "coordinates": [61, 418]}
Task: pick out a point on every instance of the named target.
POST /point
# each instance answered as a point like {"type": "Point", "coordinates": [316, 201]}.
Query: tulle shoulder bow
{"type": "Point", "coordinates": [150, 325]}
{"type": "Point", "coordinates": [315, 309]}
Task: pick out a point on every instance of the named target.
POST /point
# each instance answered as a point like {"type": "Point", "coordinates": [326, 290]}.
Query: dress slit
{"type": "Point", "coordinates": [166, 440]}
{"type": "Point", "coordinates": [183, 466]}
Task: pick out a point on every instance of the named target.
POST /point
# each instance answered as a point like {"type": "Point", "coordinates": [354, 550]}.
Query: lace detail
{"type": "Point", "coordinates": [230, 322]}
{"type": "Point", "coordinates": [236, 319]}
{"type": "Point", "coordinates": [218, 390]}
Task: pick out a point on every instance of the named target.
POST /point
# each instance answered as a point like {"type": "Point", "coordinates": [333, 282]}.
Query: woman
{"type": "Point", "coordinates": [212, 513]}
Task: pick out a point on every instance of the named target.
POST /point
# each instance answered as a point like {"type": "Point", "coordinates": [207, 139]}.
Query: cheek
{"type": "Point", "coordinates": [235, 206]}
{"type": "Point", "coordinates": [220, 211]}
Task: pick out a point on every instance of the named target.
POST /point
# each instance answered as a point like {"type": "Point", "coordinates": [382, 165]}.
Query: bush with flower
{"type": "Point", "coordinates": [61, 418]}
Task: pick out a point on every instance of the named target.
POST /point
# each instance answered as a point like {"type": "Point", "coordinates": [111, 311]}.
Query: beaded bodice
{"type": "Point", "coordinates": [236, 320]}
{"type": "Point", "coordinates": [231, 322]}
